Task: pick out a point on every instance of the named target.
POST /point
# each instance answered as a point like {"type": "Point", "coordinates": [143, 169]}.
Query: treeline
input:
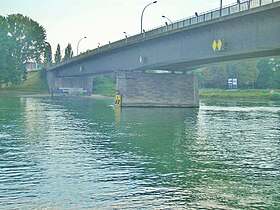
{"type": "Point", "coordinates": [68, 53]}
{"type": "Point", "coordinates": [23, 41]}
{"type": "Point", "coordinates": [260, 74]}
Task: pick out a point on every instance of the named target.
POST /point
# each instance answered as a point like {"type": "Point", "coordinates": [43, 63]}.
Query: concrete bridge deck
{"type": "Point", "coordinates": [244, 33]}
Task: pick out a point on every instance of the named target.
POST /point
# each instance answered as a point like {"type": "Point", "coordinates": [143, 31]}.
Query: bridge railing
{"type": "Point", "coordinates": [190, 21]}
{"type": "Point", "coordinates": [209, 15]}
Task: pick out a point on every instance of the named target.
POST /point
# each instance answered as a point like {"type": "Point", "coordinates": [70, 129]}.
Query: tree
{"type": "Point", "coordinates": [48, 55]}
{"type": "Point", "coordinates": [57, 56]}
{"type": "Point", "coordinates": [269, 73]}
{"type": "Point", "coordinates": [265, 76]}
{"type": "Point", "coordinates": [28, 38]}
{"type": "Point", "coordinates": [22, 40]}
{"type": "Point", "coordinates": [275, 66]}
{"type": "Point", "coordinates": [68, 53]}
{"type": "Point", "coordinates": [216, 76]}
{"type": "Point", "coordinates": [3, 49]}
{"type": "Point", "coordinates": [245, 71]}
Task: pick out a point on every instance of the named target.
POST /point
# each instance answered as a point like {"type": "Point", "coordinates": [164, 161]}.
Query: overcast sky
{"type": "Point", "coordinates": [101, 21]}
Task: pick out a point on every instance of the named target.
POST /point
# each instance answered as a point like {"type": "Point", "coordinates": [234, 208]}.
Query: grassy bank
{"type": "Point", "coordinates": [104, 85]}
{"type": "Point", "coordinates": [253, 95]}
{"type": "Point", "coordinates": [36, 82]}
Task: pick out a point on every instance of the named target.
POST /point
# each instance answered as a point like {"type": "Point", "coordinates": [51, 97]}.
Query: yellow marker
{"type": "Point", "coordinates": [214, 45]}
{"type": "Point", "coordinates": [220, 44]}
{"type": "Point", "coordinates": [118, 100]}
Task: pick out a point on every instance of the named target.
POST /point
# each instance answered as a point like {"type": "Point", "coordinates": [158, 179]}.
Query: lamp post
{"type": "Point", "coordinates": [126, 34]}
{"type": "Point", "coordinates": [167, 19]}
{"type": "Point", "coordinates": [221, 6]}
{"type": "Point", "coordinates": [143, 13]}
{"type": "Point", "coordinates": [79, 43]}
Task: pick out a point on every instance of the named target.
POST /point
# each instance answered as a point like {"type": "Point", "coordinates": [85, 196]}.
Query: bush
{"type": "Point", "coordinates": [104, 85]}
{"type": "Point", "coordinates": [275, 97]}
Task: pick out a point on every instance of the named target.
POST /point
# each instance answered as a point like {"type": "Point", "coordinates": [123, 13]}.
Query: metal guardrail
{"type": "Point", "coordinates": [190, 21]}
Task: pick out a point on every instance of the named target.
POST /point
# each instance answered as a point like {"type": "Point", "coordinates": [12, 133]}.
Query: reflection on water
{"type": "Point", "coordinates": [82, 153]}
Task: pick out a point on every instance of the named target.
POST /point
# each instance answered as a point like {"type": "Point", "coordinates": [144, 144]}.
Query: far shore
{"type": "Point", "coordinates": [38, 94]}
{"type": "Point", "coordinates": [204, 94]}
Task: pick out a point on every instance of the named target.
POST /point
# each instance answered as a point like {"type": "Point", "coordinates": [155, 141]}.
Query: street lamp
{"type": "Point", "coordinates": [143, 13]}
{"type": "Point", "coordinates": [167, 19]}
{"type": "Point", "coordinates": [126, 34]}
{"type": "Point", "coordinates": [79, 43]}
{"type": "Point", "coordinates": [221, 6]}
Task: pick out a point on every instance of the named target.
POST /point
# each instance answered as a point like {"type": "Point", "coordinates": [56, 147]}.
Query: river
{"type": "Point", "coordinates": [80, 153]}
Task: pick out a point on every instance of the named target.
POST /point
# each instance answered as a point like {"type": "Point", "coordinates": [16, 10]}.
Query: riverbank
{"type": "Point", "coordinates": [243, 95]}
{"type": "Point", "coordinates": [104, 87]}
{"type": "Point", "coordinates": [36, 83]}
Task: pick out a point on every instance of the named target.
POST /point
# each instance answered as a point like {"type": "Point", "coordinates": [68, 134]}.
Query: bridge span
{"type": "Point", "coordinates": [247, 30]}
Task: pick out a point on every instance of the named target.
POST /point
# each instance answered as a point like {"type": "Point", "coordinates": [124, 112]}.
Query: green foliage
{"type": "Point", "coordinates": [104, 85]}
{"type": "Point", "coordinates": [4, 49]}
{"type": "Point", "coordinates": [48, 55]}
{"type": "Point", "coordinates": [36, 82]}
{"type": "Point", "coordinates": [269, 73]}
{"type": "Point", "coordinates": [275, 97]}
{"type": "Point", "coordinates": [27, 36]}
{"type": "Point", "coordinates": [245, 71]}
{"type": "Point", "coordinates": [216, 76]}
{"type": "Point", "coordinates": [22, 40]}
{"type": "Point", "coordinates": [57, 56]}
{"type": "Point", "coordinates": [68, 53]}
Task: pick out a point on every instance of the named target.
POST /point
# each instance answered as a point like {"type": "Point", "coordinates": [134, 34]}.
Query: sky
{"type": "Point", "coordinates": [101, 21]}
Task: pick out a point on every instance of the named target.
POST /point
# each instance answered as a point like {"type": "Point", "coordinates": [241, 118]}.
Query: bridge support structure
{"type": "Point", "coordinates": [71, 85]}
{"type": "Point", "coordinates": [157, 89]}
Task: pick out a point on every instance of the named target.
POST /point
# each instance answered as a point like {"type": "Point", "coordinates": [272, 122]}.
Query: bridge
{"type": "Point", "coordinates": [246, 30]}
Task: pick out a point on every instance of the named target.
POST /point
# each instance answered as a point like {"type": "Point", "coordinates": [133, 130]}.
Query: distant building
{"type": "Point", "coordinates": [33, 66]}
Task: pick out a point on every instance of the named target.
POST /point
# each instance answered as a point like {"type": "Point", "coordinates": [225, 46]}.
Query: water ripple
{"type": "Point", "coordinates": [76, 153]}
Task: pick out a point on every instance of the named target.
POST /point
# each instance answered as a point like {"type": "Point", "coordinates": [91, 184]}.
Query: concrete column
{"type": "Point", "coordinates": [51, 80]}
{"type": "Point", "coordinates": [158, 90]}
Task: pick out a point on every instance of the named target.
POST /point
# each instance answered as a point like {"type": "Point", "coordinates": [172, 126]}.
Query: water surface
{"type": "Point", "coordinates": [83, 154]}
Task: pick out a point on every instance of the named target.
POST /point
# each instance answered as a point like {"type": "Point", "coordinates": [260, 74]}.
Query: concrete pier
{"type": "Point", "coordinates": [158, 90]}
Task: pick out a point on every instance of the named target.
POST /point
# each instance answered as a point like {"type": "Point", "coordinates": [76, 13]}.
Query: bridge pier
{"type": "Point", "coordinates": [158, 90]}
{"type": "Point", "coordinates": [74, 85]}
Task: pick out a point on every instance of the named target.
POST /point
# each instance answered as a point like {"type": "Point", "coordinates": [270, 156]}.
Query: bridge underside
{"type": "Point", "coordinates": [190, 65]}
{"type": "Point", "coordinates": [76, 85]}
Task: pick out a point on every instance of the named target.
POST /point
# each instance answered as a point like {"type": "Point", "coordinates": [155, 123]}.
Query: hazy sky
{"type": "Point", "coordinates": [66, 21]}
